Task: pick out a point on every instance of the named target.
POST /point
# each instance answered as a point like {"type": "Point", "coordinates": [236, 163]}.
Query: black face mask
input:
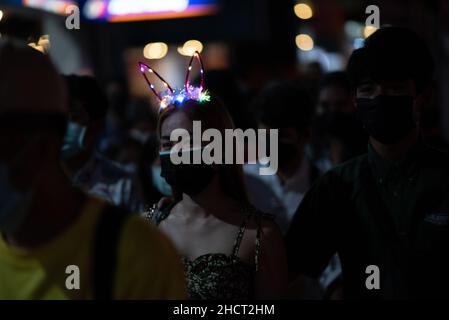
{"type": "Point", "coordinates": [190, 179]}
{"type": "Point", "coordinates": [387, 119]}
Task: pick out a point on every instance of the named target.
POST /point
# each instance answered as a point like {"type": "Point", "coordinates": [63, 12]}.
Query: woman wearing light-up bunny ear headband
{"type": "Point", "coordinates": [229, 250]}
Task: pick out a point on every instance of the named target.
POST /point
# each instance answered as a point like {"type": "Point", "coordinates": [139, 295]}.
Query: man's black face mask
{"type": "Point", "coordinates": [386, 118]}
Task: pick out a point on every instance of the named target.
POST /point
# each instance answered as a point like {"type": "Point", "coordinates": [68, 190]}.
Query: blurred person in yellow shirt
{"type": "Point", "coordinates": [56, 242]}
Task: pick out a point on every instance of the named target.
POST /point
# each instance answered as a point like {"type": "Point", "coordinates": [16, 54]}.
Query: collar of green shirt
{"type": "Point", "coordinates": [385, 169]}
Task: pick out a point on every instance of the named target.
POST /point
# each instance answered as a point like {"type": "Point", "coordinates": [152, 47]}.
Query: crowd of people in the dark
{"type": "Point", "coordinates": [87, 180]}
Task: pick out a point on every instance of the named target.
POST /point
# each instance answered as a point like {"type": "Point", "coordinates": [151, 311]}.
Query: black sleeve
{"type": "Point", "coordinates": [312, 237]}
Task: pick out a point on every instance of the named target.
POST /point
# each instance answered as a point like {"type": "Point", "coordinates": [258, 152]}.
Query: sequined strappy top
{"type": "Point", "coordinates": [215, 276]}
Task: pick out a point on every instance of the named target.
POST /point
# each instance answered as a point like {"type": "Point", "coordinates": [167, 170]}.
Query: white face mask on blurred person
{"type": "Point", "coordinates": [13, 203]}
{"type": "Point", "coordinates": [73, 143]}
{"type": "Point", "coordinates": [139, 135]}
{"type": "Point", "coordinates": [129, 167]}
{"type": "Point", "coordinates": [159, 182]}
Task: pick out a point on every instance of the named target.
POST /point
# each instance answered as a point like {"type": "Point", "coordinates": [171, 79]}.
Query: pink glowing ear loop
{"type": "Point", "coordinates": [142, 70]}
{"type": "Point", "coordinates": [200, 60]}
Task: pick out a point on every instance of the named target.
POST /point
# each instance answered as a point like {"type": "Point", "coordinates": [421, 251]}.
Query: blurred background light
{"type": "Point", "coordinates": [1, 15]}
{"type": "Point", "coordinates": [155, 50]}
{"type": "Point", "coordinates": [139, 10]}
{"type": "Point", "coordinates": [36, 47]}
{"type": "Point", "coordinates": [303, 11]}
{"type": "Point", "coordinates": [304, 42]}
{"type": "Point", "coordinates": [44, 42]}
{"type": "Point", "coordinates": [55, 6]}
{"type": "Point", "coordinates": [369, 30]}
{"type": "Point", "coordinates": [43, 45]}
{"type": "Point", "coordinates": [120, 7]}
{"type": "Point", "coordinates": [353, 29]}
{"type": "Point", "coordinates": [189, 47]}
{"type": "Point", "coordinates": [358, 43]}
{"type": "Point", "coordinates": [95, 9]}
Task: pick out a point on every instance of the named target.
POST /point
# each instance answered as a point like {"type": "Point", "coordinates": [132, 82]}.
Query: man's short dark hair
{"type": "Point", "coordinates": [392, 53]}
{"type": "Point", "coordinates": [87, 91]}
{"type": "Point", "coordinates": [284, 105]}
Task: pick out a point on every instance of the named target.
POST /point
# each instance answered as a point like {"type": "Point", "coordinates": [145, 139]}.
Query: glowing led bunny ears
{"type": "Point", "coordinates": [170, 96]}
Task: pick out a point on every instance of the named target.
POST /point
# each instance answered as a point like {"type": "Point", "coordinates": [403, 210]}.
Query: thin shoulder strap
{"type": "Point", "coordinates": [239, 238]}
{"type": "Point", "coordinates": [157, 215]}
{"type": "Point", "coordinates": [258, 235]}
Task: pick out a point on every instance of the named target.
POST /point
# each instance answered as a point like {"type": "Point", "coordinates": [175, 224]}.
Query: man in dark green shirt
{"type": "Point", "coordinates": [385, 213]}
